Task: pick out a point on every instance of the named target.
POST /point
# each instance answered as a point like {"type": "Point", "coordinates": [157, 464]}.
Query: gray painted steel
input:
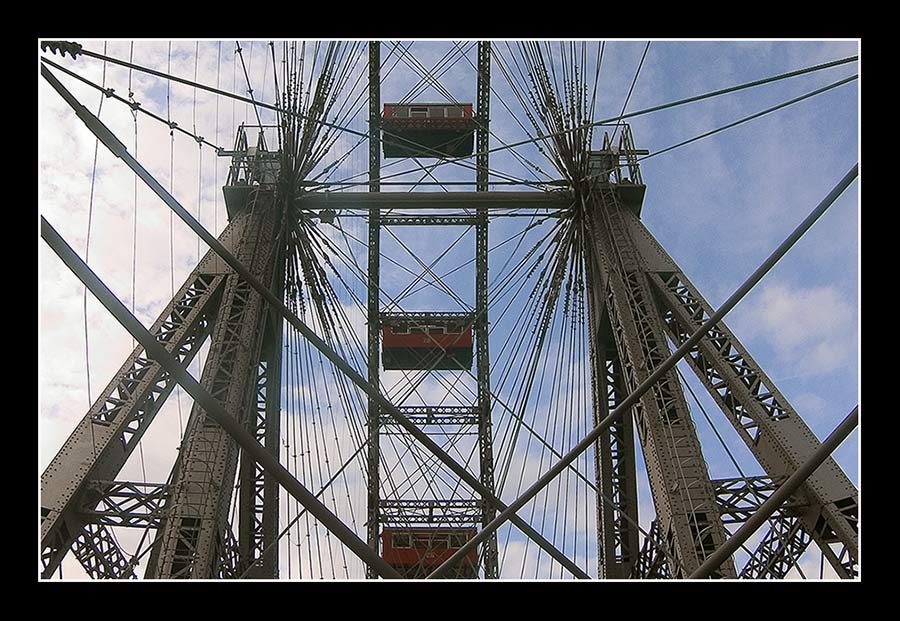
{"type": "Point", "coordinates": [211, 406]}
{"type": "Point", "coordinates": [640, 296]}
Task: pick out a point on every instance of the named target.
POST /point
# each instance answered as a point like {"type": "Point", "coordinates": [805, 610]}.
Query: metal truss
{"type": "Point", "coordinates": [740, 497]}
{"type": "Point", "coordinates": [258, 500]}
{"type": "Point", "coordinates": [785, 540]}
{"type": "Point", "coordinates": [100, 555]}
{"type": "Point", "coordinates": [204, 479]}
{"type": "Point", "coordinates": [489, 554]}
{"type": "Point", "coordinates": [416, 317]}
{"type": "Point", "coordinates": [373, 308]}
{"type": "Point", "coordinates": [437, 415]}
{"type": "Point", "coordinates": [780, 549]}
{"type": "Point", "coordinates": [763, 418]}
{"type": "Point", "coordinates": [103, 440]}
{"type": "Point", "coordinates": [651, 562]}
{"type": "Point", "coordinates": [430, 221]}
{"type": "Point", "coordinates": [126, 503]}
{"type": "Point", "coordinates": [451, 512]}
{"type": "Point", "coordinates": [614, 463]}
{"type": "Point", "coordinates": [682, 492]}
{"type": "Point", "coordinates": [227, 555]}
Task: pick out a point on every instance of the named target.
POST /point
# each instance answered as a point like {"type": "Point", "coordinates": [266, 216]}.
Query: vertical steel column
{"type": "Point", "coordinates": [485, 440]}
{"type": "Point", "coordinates": [618, 545]}
{"type": "Point", "coordinates": [202, 488]}
{"type": "Point", "coordinates": [682, 492]}
{"type": "Point", "coordinates": [258, 501]}
{"type": "Point", "coordinates": [374, 449]}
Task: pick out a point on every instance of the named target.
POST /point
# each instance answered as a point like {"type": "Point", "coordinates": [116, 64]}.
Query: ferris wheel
{"type": "Point", "coordinates": [428, 294]}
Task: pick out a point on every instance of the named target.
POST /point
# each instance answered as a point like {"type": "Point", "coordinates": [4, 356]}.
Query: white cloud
{"type": "Point", "coordinates": [807, 326]}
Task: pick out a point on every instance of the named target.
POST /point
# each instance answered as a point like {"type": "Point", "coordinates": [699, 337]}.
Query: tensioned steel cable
{"type": "Point", "coordinates": [429, 76]}
{"type": "Point", "coordinates": [657, 108]}
{"type": "Point", "coordinates": [527, 164]}
{"type": "Point", "coordinates": [87, 248]}
{"type": "Point", "coordinates": [630, 91]}
{"type": "Point", "coordinates": [175, 127]}
{"type": "Point", "coordinates": [134, 236]}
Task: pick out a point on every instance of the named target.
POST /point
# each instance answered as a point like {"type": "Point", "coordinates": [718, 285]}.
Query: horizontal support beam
{"type": "Point", "coordinates": [429, 221]}
{"type": "Point", "coordinates": [450, 512]}
{"type": "Point", "coordinates": [434, 200]}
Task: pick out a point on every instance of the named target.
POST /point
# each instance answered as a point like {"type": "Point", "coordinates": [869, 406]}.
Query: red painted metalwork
{"type": "Point", "coordinates": [444, 346]}
{"type": "Point", "coordinates": [428, 130]}
{"type": "Point", "coordinates": [431, 340]}
{"type": "Point", "coordinates": [415, 552]}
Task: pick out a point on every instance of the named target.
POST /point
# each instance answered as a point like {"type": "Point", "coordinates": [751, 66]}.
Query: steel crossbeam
{"type": "Point", "coordinates": [644, 300]}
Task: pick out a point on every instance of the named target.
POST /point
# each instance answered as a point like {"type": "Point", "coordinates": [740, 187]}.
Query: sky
{"type": "Point", "coordinates": [719, 206]}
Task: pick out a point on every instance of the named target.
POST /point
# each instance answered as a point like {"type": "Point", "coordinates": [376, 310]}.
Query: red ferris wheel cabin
{"type": "Point", "coordinates": [428, 130]}
{"type": "Point", "coordinates": [427, 341]}
{"type": "Point", "coordinates": [416, 552]}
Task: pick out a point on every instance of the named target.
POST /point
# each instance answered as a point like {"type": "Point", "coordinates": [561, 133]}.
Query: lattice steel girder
{"type": "Point", "coordinates": [651, 561]}
{"type": "Point", "coordinates": [773, 431]}
{"type": "Point", "coordinates": [436, 415]}
{"type": "Point", "coordinates": [614, 462]}
{"type": "Point", "coordinates": [103, 440]}
{"type": "Point", "coordinates": [739, 497]}
{"type": "Point", "coordinates": [679, 478]}
{"type": "Point", "coordinates": [99, 554]}
{"type": "Point", "coordinates": [408, 511]}
{"type": "Point", "coordinates": [784, 542]}
{"type": "Point", "coordinates": [202, 396]}
{"type": "Point", "coordinates": [373, 305]}
{"type": "Point", "coordinates": [258, 504]}
{"type": "Point", "coordinates": [430, 221]}
{"type": "Point", "coordinates": [126, 503]}
{"type": "Point", "coordinates": [780, 549]}
{"type": "Point", "coordinates": [202, 487]}
{"type": "Point", "coordinates": [228, 560]}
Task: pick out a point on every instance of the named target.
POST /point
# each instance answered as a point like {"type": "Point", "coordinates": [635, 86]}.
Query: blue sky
{"type": "Point", "coordinates": [719, 206]}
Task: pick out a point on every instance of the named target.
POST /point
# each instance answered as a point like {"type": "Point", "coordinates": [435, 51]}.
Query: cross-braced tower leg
{"type": "Point", "coordinates": [764, 419]}
{"type": "Point", "coordinates": [689, 521]}
{"type": "Point", "coordinates": [258, 504]}
{"type": "Point", "coordinates": [100, 445]}
{"type": "Point", "coordinates": [617, 514]}
{"type": "Point", "coordinates": [192, 528]}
